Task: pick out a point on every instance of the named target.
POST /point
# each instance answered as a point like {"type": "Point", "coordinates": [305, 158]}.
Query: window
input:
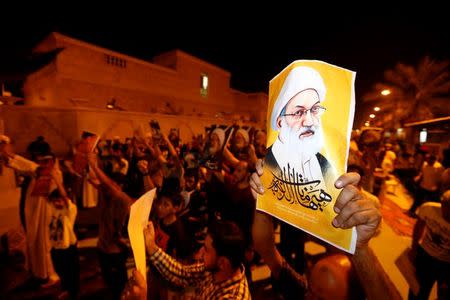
{"type": "Point", "coordinates": [423, 136]}
{"type": "Point", "coordinates": [204, 85]}
{"type": "Point", "coordinates": [115, 61]}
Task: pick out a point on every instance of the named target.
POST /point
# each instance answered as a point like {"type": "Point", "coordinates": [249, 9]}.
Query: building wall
{"type": "Point", "coordinates": [41, 88]}
{"type": "Point", "coordinates": [84, 75]}
{"type": "Point", "coordinates": [62, 127]}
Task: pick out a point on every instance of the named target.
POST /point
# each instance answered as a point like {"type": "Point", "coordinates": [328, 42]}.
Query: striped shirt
{"type": "Point", "coordinates": [196, 275]}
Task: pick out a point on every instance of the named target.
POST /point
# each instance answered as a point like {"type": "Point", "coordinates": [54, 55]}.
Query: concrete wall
{"type": "Point", "coordinates": [83, 75]}
{"type": "Point", "coordinates": [61, 127]}
{"type": "Point", "coordinates": [9, 201]}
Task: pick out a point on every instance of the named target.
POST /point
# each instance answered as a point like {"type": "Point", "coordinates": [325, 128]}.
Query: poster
{"type": "Point", "coordinates": [87, 145]}
{"type": "Point", "coordinates": [139, 214]}
{"type": "Point", "coordinates": [44, 177]}
{"type": "Point", "coordinates": [309, 121]}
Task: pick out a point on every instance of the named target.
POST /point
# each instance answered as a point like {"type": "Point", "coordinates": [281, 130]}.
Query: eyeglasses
{"type": "Point", "coordinates": [315, 111]}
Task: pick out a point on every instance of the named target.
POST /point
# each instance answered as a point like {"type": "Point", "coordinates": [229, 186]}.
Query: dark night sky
{"type": "Point", "coordinates": [253, 46]}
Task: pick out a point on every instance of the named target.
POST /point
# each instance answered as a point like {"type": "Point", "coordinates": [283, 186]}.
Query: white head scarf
{"type": "Point", "coordinates": [299, 79]}
{"type": "Point", "coordinates": [244, 134]}
{"type": "Point", "coordinates": [220, 134]}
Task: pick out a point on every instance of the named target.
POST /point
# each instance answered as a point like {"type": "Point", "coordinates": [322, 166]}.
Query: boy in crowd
{"type": "Point", "coordinates": [169, 203]}
{"type": "Point", "coordinates": [63, 240]}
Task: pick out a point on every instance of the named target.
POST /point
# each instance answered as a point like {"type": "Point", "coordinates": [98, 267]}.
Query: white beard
{"type": "Point", "coordinates": [301, 147]}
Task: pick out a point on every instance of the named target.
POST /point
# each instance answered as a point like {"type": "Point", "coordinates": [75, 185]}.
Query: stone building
{"type": "Point", "coordinates": [86, 87]}
{"type": "Point", "coordinates": [175, 83]}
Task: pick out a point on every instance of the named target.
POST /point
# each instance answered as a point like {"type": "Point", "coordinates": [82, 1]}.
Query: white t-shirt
{"type": "Point", "coordinates": [431, 176]}
{"type": "Point", "coordinates": [61, 226]}
{"type": "Point", "coordinates": [436, 238]}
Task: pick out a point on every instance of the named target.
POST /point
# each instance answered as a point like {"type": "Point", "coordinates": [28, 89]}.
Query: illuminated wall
{"type": "Point", "coordinates": [84, 75]}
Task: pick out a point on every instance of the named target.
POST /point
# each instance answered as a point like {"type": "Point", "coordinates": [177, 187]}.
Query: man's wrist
{"type": "Point", "coordinates": [274, 261]}
{"type": "Point", "coordinates": [361, 251]}
{"type": "Point", "coordinates": [152, 249]}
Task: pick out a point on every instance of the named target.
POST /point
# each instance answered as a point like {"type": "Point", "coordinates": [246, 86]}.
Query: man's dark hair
{"type": "Point", "coordinates": [191, 172]}
{"type": "Point", "coordinates": [171, 190]}
{"type": "Point", "coordinates": [38, 147]}
{"type": "Point", "coordinates": [55, 194]}
{"type": "Point", "coordinates": [228, 241]}
{"type": "Point", "coordinates": [116, 147]}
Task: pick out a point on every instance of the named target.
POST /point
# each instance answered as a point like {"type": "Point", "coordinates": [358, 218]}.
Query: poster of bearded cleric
{"type": "Point", "coordinates": [309, 122]}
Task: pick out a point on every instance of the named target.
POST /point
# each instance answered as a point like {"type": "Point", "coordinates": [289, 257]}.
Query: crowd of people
{"type": "Point", "coordinates": [204, 233]}
{"type": "Point", "coordinates": [425, 173]}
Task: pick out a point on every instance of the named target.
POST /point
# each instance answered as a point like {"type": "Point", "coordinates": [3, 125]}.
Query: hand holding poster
{"type": "Point", "coordinates": [87, 145]}
{"type": "Point", "coordinates": [44, 177]}
{"type": "Point", "coordinates": [139, 213]}
{"type": "Point", "coordinates": [310, 116]}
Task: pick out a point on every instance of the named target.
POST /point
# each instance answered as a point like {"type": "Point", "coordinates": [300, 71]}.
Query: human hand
{"type": "Point", "coordinates": [143, 166]}
{"type": "Point", "coordinates": [136, 287]}
{"type": "Point", "coordinates": [353, 209]}
{"type": "Point", "coordinates": [255, 181]}
{"type": "Point", "coordinates": [6, 150]}
{"type": "Point", "coordinates": [251, 149]}
{"type": "Point", "coordinates": [92, 159]}
{"type": "Point", "coordinates": [149, 236]}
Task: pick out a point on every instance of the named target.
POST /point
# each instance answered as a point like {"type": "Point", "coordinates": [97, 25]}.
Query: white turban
{"type": "Point", "coordinates": [220, 134]}
{"type": "Point", "coordinates": [244, 134]}
{"type": "Point", "coordinates": [298, 80]}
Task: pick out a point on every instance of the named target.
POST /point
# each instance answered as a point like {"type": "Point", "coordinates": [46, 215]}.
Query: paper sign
{"type": "Point", "coordinates": [87, 145]}
{"type": "Point", "coordinates": [310, 117]}
{"type": "Point", "coordinates": [139, 214]}
{"type": "Point", "coordinates": [44, 178]}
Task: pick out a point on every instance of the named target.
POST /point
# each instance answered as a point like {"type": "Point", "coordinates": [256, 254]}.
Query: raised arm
{"type": "Point", "coordinates": [353, 209]}
{"type": "Point", "coordinates": [115, 190]}
{"type": "Point", "coordinates": [252, 155]}
{"type": "Point", "coordinates": [285, 279]}
{"type": "Point", "coordinates": [150, 148]}
{"type": "Point", "coordinates": [15, 161]}
{"type": "Point", "coordinates": [230, 158]}
{"type": "Point", "coordinates": [172, 150]}
{"type": "Point", "coordinates": [58, 179]}
{"type": "Point", "coordinates": [143, 168]}
{"type": "Point", "coordinates": [168, 267]}
{"type": "Point", "coordinates": [373, 278]}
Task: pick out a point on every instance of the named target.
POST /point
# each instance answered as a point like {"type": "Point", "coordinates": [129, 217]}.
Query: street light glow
{"type": "Point", "coordinates": [376, 108]}
{"type": "Point", "coordinates": [372, 116]}
{"type": "Point", "coordinates": [385, 92]}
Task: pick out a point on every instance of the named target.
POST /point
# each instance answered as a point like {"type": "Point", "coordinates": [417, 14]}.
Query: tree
{"type": "Point", "coordinates": [417, 93]}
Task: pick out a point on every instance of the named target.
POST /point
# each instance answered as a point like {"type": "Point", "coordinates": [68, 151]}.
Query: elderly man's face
{"type": "Point", "coordinates": [239, 141]}
{"type": "Point", "coordinates": [299, 126]}
{"type": "Point", "coordinates": [304, 100]}
{"type": "Point", "coordinates": [215, 143]}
